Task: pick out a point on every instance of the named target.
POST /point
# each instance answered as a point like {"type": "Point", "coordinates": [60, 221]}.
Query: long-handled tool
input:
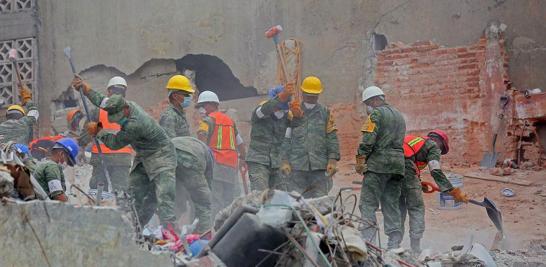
{"type": "Point", "coordinates": [494, 214]}
{"type": "Point", "coordinates": [489, 159]}
{"type": "Point", "coordinates": [67, 53]}
{"type": "Point", "coordinates": [273, 33]}
{"type": "Point", "coordinates": [12, 54]}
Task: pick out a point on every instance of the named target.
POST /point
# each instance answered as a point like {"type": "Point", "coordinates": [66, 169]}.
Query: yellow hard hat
{"type": "Point", "coordinates": [311, 85]}
{"type": "Point", "coordinates": [180, 83]}
{"type": "Point", "coordinates": [18, 108]}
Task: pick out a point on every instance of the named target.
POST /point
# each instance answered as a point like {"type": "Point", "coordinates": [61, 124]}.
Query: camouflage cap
{"type": "Point", "coordinates": [114, 104]}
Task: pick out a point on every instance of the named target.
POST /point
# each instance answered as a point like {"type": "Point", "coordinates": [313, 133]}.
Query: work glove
{"type": "Point", "coordinates": [285, 94]}
{"type": "Point", "coordinates": [61, 197]}
{"type": "Point", "coordinates": [428, 187]}
{"type": "Point", "coordinates": [331, 167]}
{"type": "Point", "coordinates": [286, 169]}
{"type": "Point", "coordinates": [93, 128]}
{"type": "Point", "coordinates": [25, 94]}
{"type": "Point", "coordinates": [80, 84]}
{"type": "Point", "coordinates": [361, 167]}
{"type": "Point", "coordinates": [458, 195]}
{"type": "Point", "coordinates": [295, 108]}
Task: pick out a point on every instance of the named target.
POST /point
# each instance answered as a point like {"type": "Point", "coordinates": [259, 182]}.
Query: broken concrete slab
{"type": "Point", "coordinates": [50, 233]}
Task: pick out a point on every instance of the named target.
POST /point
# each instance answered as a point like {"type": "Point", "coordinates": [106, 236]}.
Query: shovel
{"type": "Point", "coordinates": [489, 159]}
{"type": "Point", "coordinates": [492, 211]}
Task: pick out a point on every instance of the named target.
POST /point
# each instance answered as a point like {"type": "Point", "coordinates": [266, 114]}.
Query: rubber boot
{"type": "Point", "coordinates": [395, 238]}
{"type": "Point", "coordinates": [415, 246]}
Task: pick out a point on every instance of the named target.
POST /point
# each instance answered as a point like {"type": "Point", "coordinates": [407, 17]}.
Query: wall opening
{"type": "Point", "coordinates": [213, 74]}
{"type": "Point", "coordinates": [379, 41]}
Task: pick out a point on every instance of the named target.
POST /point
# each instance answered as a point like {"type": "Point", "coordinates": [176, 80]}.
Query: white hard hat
{"type": "Point", "coordinates": [116, 80]}
{"type": "Point", "coordinates": [208, 96]}
{"type": "Point", "coordinates": [371, 92]}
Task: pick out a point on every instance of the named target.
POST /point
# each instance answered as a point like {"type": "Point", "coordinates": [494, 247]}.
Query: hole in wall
{"type": "Point", "coordinates": [213, 74]}
{"type": "Point", "coordinates": [379, 41]}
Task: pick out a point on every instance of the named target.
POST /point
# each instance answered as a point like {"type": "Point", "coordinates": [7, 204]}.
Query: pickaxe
{"type": "Point", "coordinates": [68, 54]}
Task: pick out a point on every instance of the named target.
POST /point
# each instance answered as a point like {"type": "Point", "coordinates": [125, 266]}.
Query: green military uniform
{"type": "Point", "coordinates": [118, 164]}
{"type": "Point", "coordinates": [152, 178]}
{"type": "Point", "coordinates": [173, 120]}
{"type": "Point", "coordinates": [311, 142]}
{"type": "Point", "coordinates": [50, 176]}
{"type": "Point", "coordinates": [411, 198]}
{"type": "Point", "coordinates": [382, 146]}
{"type": "Point", "coordinates": [20, 131]}
{"type": "Point", "coordinates": [193, 173]}
{"type": "Point", "coordinates": [263, 158]}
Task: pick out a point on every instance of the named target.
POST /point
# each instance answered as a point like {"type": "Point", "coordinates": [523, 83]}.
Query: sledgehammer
{"type": "Point", "coordinates": [273, 33]}
{"type": "Point", "coordinates": [68, 54]}
{"type": "Point", "coordinates": [12, 54]}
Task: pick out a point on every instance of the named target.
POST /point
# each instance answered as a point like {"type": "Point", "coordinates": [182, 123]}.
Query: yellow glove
{"type": "Point", "coordinates": [361, 167]}
{"type": "Point", "coordinates": [93, 128]}
{"type": "Point", "coordinates": [459, 195]}
{"type": "Point", "coordinates": [295, 107]}
{"type": "Point", "coordinates": [79, 84]}
{"type": "Point", "coordinates": [286, 169]}
{"type": "Point", "coordinates": [25, 94]}
{"type": "Point", "coordinates": [331, 167]}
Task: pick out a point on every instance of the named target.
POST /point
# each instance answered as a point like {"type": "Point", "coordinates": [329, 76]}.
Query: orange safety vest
{"type": "Point", "coordinates": [412, 145]}
{"type": "Point", "coordinates": [111, 127]}
{"type": "Point", "coordinates": [222, 140]}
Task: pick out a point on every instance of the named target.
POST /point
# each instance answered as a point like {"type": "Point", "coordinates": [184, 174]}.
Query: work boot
{"type": "Point", "coordinates": [415, 246]}
{"type": "Point", "coordinates": [395, 238]}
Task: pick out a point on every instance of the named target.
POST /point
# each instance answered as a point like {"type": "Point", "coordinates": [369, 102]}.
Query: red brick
{"type": "Point", "coordinates": [466, 55]}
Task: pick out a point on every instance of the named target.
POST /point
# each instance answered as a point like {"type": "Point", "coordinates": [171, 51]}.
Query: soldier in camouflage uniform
{"type": "Point", "coordinates": [19, 124]}
{"type": "Point", "coordinates": [173, 119]}
{"type": "Point", "coordinates": [49, 174]}
{"type": "Point", "coordinates": [118, 161]}
{"type": "Point", "coordinates": [269, 123]}
{"type": "Point", "coordinates": [380, 158]}
{"type": "Point", "coordinates": [310, 149]}
{"type": "Point", "coordinates": [419, 153]}
{"type": "Point", "coordinates": [194, 173]}
{"type": "Point", "coordinates": [152, 178]}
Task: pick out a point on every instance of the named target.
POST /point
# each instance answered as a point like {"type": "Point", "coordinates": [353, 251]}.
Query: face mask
{"type": "Point", "coordinates": [309, 106]}
{"type": "Point", "coordinates": [187, 102]}
{"type": "Point", "coordinates": [202, 111]}
{"type": "Point", "coordinates": [279, 114]}
{"type": "Point", "coordinates": [369, 110]}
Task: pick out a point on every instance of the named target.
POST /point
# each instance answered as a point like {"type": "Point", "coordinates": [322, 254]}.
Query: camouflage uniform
{"type": "Point", "coordinates": [173, 120]}
{"type": "Point", "coordinates": [152, 178]}
{"type": "Point", "coordinates": [194, 172]}
{"type": "Point", "coordinates": [50, 176]}
{"type": "Point", "coordinates": [411, 198]}
{"type": "Point", "coordinates": [382, 146]}
{"type": "Point", "coordinates": [266, 138]}
{"type": "Point", "coordinates": [311, 143]}
{"type": "Point", "coordinates": [20, 131]}
{"type": "Point", "coordinates": [118, 164]}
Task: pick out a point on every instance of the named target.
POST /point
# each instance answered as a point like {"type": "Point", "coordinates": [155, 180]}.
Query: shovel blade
{"type": "Point", "coordinates": [494, 214]}
{"type": "Point", "coordinates": [489, 159]}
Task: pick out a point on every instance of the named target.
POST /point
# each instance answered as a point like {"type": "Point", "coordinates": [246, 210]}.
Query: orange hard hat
{"type": "Point", "coordinates": [442, 135]}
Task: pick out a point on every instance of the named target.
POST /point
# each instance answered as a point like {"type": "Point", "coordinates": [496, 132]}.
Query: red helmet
{"type": "Point", "coordinates": [443, 136]}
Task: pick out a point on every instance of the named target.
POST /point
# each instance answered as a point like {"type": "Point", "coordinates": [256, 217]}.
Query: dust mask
{"type": "Point", "coordinates": [369, 109]}
{"type": "Point", "coordinates": [202, 111]}
{"type": "Point", "coordinates": [308, 105]}
{"type": "Point", "coordinates": [187, 102]}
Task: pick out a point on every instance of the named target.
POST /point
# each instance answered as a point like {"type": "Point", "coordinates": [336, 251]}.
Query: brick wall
{"type": "Point", "coordinates": [455, 89]}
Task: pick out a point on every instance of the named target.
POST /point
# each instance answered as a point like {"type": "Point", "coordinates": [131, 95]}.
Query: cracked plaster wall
{"type": "Point", "coordinates": [127, 33]}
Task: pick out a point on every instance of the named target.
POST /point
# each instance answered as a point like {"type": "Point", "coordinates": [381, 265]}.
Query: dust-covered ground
{"type": "Point", "coordinates": [524, 215]}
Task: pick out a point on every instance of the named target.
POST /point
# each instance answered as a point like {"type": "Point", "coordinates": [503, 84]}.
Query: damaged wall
{"type": "Point", "coordinates": [456, 89]}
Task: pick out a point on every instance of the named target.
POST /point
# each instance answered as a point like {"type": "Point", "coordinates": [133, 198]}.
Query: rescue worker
{"type": "Point", "coordinates": [49, 173]}
{"type": "Point", "coordinates": [219, 132]}
{"type": "Point", "coordinates": [19, 123]}
{"type": "Point", "coordinates": [380, 157]}
{"type": "Point", "coordinates": [193, 174]}
{"type": "Point", "coordinates": [269, 122]}
{"type": "Point", "coordinates": [152, 176]}
{"type": "Point", "coordinates": [419, 153]}
{"type": "Point", "coordinates": [173, 119]}
{"type": "Point", "coordinates": [310, 148]}
{"type": "Point", "coordinates": [118, 161]}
